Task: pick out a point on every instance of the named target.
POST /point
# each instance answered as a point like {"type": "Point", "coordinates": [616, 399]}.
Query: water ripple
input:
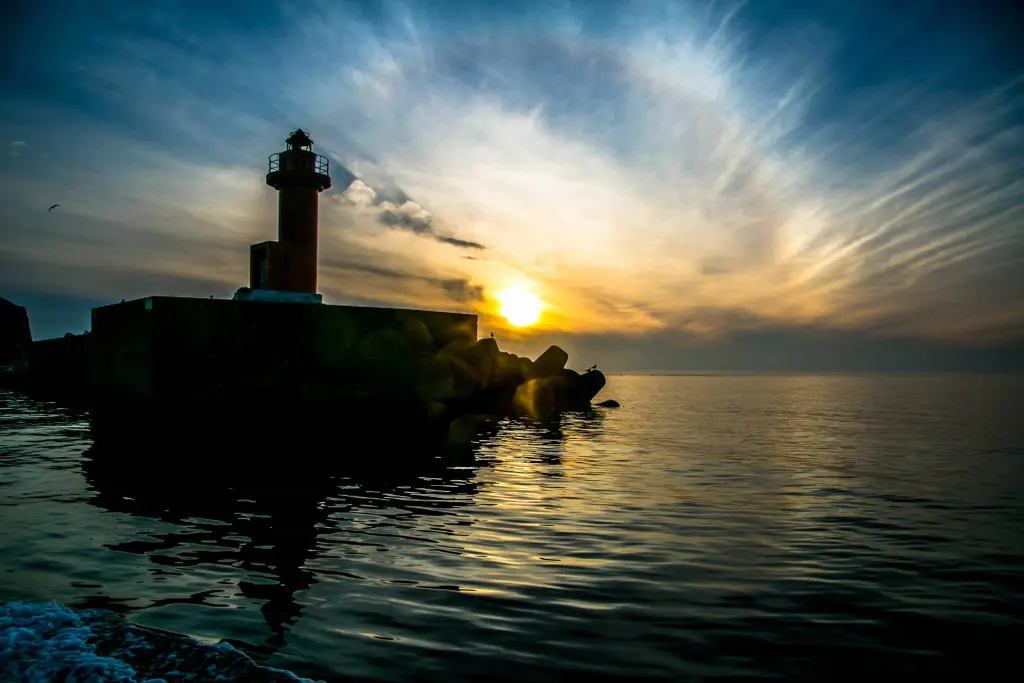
{"type": "Point", "coordinates": [798, 527]}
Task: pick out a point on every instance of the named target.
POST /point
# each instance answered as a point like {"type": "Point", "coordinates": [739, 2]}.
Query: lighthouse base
{"type": "Point", "coordinates": [274, 295]}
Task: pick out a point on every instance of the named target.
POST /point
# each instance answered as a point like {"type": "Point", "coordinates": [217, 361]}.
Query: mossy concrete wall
{"type": "Point", "coordinates": [177, 349]}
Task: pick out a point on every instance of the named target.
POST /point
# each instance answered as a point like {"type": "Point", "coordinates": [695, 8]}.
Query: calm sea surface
{"type": "Point", "coordinates": [795, 526]}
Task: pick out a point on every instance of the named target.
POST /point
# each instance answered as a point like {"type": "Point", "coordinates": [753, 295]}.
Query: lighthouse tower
{"type": "Point", "coordinates": [290, 264]}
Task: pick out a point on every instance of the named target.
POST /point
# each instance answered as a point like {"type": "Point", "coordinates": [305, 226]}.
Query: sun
{"type": "Point", "coordinates": [520, 307]}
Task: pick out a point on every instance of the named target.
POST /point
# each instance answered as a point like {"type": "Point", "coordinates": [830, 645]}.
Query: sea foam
{"type": "Point", "coordinates": [49, 643]}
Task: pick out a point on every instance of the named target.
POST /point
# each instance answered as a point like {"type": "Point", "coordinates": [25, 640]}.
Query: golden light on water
{"type": "Point", "coordinates": [520, 307]}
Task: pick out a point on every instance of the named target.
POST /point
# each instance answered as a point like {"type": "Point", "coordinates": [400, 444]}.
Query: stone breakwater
{"type": "Point", "coordinates": [479, 378]}
{"type": "Point", "coordinates": [172, 360]}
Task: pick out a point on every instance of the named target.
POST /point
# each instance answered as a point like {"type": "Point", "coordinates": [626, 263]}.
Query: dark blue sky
{"type": "Point", "coordinates": [697, 174]}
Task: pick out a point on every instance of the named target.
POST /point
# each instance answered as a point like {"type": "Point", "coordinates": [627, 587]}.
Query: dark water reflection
{"type": "Point", "coordinates": [264, 532]}
{"type": "Point", "coordinates": [802, 527]}
{"type": "Point", "coordinates": [263, 509]}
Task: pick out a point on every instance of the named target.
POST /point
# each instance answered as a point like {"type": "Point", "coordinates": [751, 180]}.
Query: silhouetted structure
{"type": "Point", "coordinates": [252, 360]}
{"type": "Point", "coordinates": [15, 332]}
{"type": "Point", "coordinates": [59, 366]}
{"type": "Point", "coordinates": [276, 355]}
{"type": "Point", "coordinates": [290, 264]}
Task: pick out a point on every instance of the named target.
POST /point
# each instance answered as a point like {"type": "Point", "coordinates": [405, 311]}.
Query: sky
{"type": "Point", "coordinates": [769, 185]}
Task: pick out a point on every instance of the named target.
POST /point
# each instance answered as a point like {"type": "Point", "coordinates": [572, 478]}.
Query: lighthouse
{"type": "Point", "coordinates": [289, 265]}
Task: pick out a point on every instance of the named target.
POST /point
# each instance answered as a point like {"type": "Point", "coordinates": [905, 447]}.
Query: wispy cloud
{"type": "Point", "coordinates": [663, 169]}
{"type": "Point", "coordinates": [408, 215]}
{"type": "Point", "coordinates": [400, 283]}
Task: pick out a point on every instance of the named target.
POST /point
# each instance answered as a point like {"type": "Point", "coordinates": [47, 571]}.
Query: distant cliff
{"type": "Point", "coordinates": [14, 331]}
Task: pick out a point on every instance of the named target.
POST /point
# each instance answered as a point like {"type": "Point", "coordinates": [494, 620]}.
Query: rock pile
{"type": "Point", "coordinates": [479, 378]}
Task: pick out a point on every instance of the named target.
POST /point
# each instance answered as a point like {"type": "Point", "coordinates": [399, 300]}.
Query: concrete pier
{"type": "Point", "coordinates": [266, 357]}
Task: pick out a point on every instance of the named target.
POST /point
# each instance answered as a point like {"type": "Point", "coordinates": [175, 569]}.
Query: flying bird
{"type": "Point", "coordinates": [53, 207]}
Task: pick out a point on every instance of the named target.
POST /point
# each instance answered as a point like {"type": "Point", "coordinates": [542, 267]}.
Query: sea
{"type": "Point", "coordinates": [712, 527]}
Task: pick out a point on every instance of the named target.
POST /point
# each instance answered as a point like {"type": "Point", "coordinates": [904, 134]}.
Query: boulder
{"type": "Point", "coordinates": [543, 398]}
{"type": "Point", "coordinates": [483, 357]}
{"type": "Point", "coordinates": [509, 369]}
{"type": "Point", "coordinates": [610, 403]}
{"type": "Point", "coordinates": [590, 383]}
{"type": "Point", "coordinates": [537, 398]}
{"type": "Point", "coordinates": [525, 366]}
{"type": "Point", "coordinates": [550, 363]}
{"type": "Point", "coordinates": [486, 346]}
{"type": "Point", "coordinates": [445, 378]}
{"type": "Point", "coordinates": [14, 331]}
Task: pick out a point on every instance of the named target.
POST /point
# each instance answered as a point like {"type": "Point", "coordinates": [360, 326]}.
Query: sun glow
{"type": "Point", "coordinates": [520, 307]}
